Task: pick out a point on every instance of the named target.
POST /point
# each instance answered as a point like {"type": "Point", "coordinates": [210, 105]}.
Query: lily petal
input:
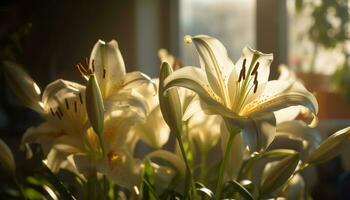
{"type": "Point", "coordinates": [154, 131]}
{"type": "Point", "coordinates": [194, 79]}
{"type": "Point", "coordinates": [173, 159]}
{"type": "Point", "coordinates": [64, 106]}
{"type": "Point", "coordinates": [298, 130]}
{"type": "Point", "coordinates": [204, 130]}
{"type": "Point", "coordinates": [259, 132]}
{"type": "Point", "coordinates": [45, 135]}
{"type": "Point", "coordinates": [107, 63]}
{"type": "Point", "coordinates": [215, 62]}
{"type": "Point", "coordinates": [280, 94]}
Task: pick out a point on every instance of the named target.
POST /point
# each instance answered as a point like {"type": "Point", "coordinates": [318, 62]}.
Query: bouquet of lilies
{"type": "Point", "coordinates": [203, 132]}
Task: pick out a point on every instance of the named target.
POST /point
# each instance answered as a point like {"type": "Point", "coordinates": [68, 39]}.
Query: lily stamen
{"type": "Point", "coordinates": [60, 111]}
{"type": "Point", "coordinates": [80, 98]}
{"type": "Point", "coordinates": [52, 112]}
{"type": "Point", "coordinates": [256, 81]}
{"type": "Point", "coordinates": [255, 70]}
{"type": "Point", "coordinates": [242, 73]}
{"type": "Point", "coordinates": [67, 104]}
{"type": "Point", "coordinates": [75, 106]}
{"type": "Point", "coordinates": [104, 73]}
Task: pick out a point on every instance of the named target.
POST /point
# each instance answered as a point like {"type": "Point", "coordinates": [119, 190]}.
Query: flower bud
{"type": "Point", "coordinates": [23, 86]}
{"type": "Point", "coordinates": [7, 162]}
{"type": "Point", "coordinates": [95, 107]}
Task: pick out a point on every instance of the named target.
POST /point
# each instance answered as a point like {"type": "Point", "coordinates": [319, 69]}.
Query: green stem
{"type": "Point", "coordinates": [203, 163]}
{"type": "Point", "coordinates": [189, 177]}
{"type": "Point", "coordinates": [92, 189]}
{"type": "Point", "coordinates": [224, 163]}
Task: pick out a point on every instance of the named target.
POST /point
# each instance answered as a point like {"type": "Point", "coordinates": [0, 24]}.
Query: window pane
{"type": "Point", "coordinates": [232, 22]}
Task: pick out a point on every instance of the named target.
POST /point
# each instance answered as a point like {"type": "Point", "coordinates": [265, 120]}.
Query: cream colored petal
{"type": "Point", "coordinates": [136, 79]}
{"type": "Point", "coordinates": [286, 73]}
{"type": "Point", "coordinates": [45, 135]}
{"type": "Point", "coordinates": [233, 86]}
{"type": "Point", "coordinates": [128, 99]}
{"type": "Point", "coordinates": [287, 114]}
{"type": "Point", "coordinates": [191, 108]}
{"type": "Point", "coordinates": [259, 132]}
{"type": "Point", "coordinates": [194, 79]}
{"type": "Point", "coordinates": [173, 159]}
{"type": "Point", "coordinates": [107, 63]}
{"type": "Point", "coordinates": [204, 130]}
{"type": "Point", "coordinates": [298, 130]}
{"type": "Point", "coordinates": [281, 94]}
{"type": "Point", "coordinates": [57, 157]}
{"type": "Point", "coordinates": [117, 126]}
{"type": "Point", "coordinates": [64, 102]}
{"type": "Point", "coordinates": [7, 161]}
{"type": "Point", "coordinates": [154, 131]}
{"type": "Point", "coordinates": [121, 168]}
{"type": "Point", "coordinates": [215, 62]}
{"type": "Point", "coordinates": [23, 86]}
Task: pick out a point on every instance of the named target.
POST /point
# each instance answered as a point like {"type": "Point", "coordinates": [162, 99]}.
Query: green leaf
{"type": "Point", "coordinates": [148, 182]}
{"type": "Point", "coordinates": [331, 147]}
{"type": "Point", "coordinates": [95, 108]}
{"type": "Point", "coordinates": [277, 173]}
{"type": "Point", "coordinates": [232, 187]}
{"type": "Point", "coordinates": [204, 191]}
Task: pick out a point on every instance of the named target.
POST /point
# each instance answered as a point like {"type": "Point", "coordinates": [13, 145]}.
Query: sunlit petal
{"type": "Point", "coordinates": [215, 62]}
{"type": "Point", "coordinates": [107, 63]}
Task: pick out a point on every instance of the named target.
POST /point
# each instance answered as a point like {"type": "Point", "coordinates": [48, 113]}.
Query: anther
{"type": "Point", "coordinates": [256, 81]}
{"type": "Point", "coordinates": [52, 112]}
{"type": "Point", "coordinates": [67, 104]}
{"type": "Point", "coordinates": [58, 115]}
{"type": "Point", "coordinates": [255, 70]}
{"type": "Point", "coordinates": [75, 106]}
{"type": "Point", "coordinates": [60, 111]}
{"type": "Point", "coordinates": [104, 73]}
{"type": "Point", "coordinates": [80, 98]}
{"type": "Point", "coordinates": [242, 73]}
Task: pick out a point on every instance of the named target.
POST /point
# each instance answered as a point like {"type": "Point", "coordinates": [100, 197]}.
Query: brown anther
{"type": "Point", "coordinates": [256, 81]}
{"type": "Point", "coordinates": [104, 73]}
{"type": "Point", "coordinates": [67, 104]}
{"type": "Point", "coordinates": [80, 98]}
{"type": "Point", "coordinates": [60, 111]}
{"type": "Point", "coordinates": [255, 70]}
{"type": "Point", "coordinates": [52, 112]}
{"type": "Point", "coordinates": [58, 115]}
{"type": "Point", "coordinates": [242, 73]}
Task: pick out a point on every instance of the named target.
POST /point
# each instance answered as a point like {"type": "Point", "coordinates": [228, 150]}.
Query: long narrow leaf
{"type": "Point", "coordinates": [233, 186]}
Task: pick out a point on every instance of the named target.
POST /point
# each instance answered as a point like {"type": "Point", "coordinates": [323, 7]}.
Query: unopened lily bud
{"type": "Point", "coordinates": [7, 162]}
{"type": "Point", "coordinates": [169, 101]}
{"type": "Point", "coordinates": [95, 107]}
{"type": "Point", "coordinates": [277, 173]}
{"type": "Point", "coordinates": [331, 147]}
{"type": "Point", "coordinates": [23, 86]}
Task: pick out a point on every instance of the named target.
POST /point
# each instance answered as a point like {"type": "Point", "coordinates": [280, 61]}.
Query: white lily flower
{"type": "Point", "coordinates": [153, 131]}
{"type": "Point", "coordinates": [117, 86]}
{"type": "Point", "coordinates": [241, 93]}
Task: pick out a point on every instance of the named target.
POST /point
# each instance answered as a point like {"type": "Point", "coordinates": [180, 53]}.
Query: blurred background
{"type": "Point", "coordinates": [48, 37]}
